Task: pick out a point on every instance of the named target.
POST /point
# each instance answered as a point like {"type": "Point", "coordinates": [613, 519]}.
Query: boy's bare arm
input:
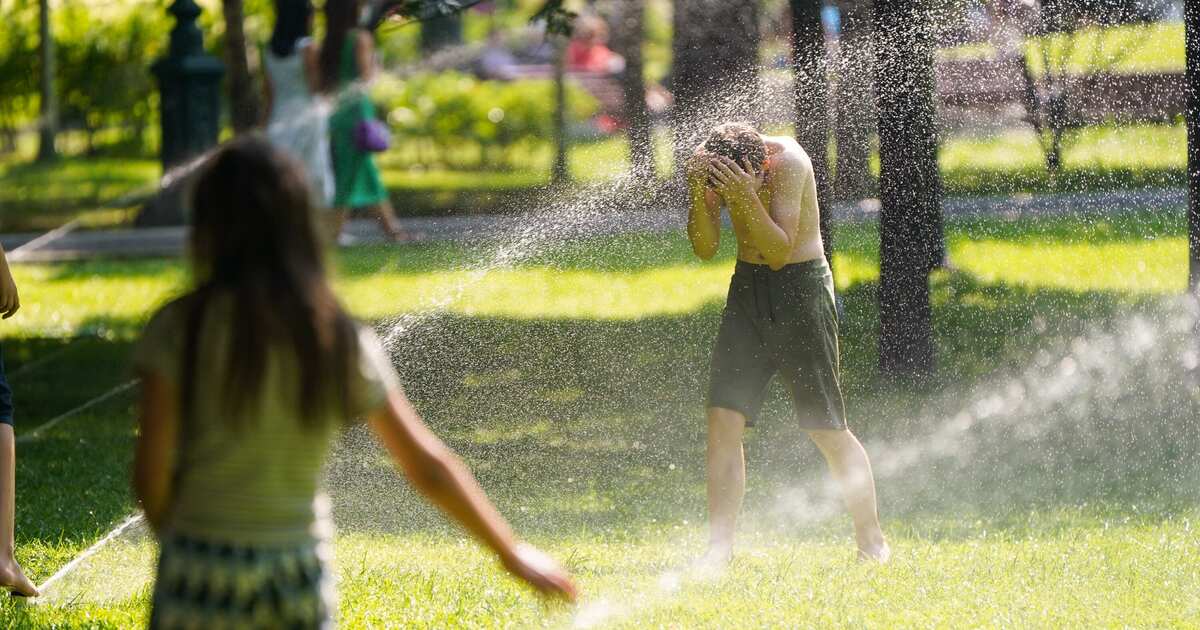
{"type": "Point", "coordinates": [704, 208]}
{"type": "Point", "coordinates": [773, 234]}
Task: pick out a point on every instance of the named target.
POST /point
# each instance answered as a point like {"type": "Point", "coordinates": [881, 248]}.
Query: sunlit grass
{"type": "Point", "coordinates": [572, 385]}
{"type": "Point", "coordinates": [101, 190]}
{"type": "Point", "coordinates": [1128, 49]}
{"type": "Point", "coordinates": [656, 275]}
{"type": "Point", "coordinates": [1157, 266]}
{"type": "Point", "coordinates": [1133, 147]}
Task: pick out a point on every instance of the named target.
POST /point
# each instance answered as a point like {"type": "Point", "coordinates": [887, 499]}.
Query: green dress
{"type": "Point", "coordinates": [356, 179]}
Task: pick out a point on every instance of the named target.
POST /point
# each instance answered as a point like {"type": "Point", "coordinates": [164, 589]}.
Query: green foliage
{"type": "Point", "coordinates": [18, 72]}
{"type": "Point", "coordinates": [104, 73]}
{"type": "Point", "coordinates": [453, 118]}
{"type": "Point", "coordinates": [102, 77]}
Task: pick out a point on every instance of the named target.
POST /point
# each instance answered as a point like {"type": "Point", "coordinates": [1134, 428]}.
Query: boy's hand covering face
{"type": "Point", "coordinates": [733, 181]}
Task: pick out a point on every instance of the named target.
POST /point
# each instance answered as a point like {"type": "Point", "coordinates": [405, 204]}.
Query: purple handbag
{"type": "Point", "coordinates": [372, 135]}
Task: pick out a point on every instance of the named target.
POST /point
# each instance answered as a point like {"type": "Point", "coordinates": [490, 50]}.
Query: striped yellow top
{"type": "Point", "coordinates": [256, 483]}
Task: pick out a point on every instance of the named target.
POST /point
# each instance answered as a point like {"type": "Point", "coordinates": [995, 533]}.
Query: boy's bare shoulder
{"type": "Point", "coordinates": [788, 156]}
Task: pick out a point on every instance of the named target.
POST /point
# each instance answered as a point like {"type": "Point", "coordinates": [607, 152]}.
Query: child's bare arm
{"type": "Point", "coordinates": [10, 300]}
{"type": "Point", "coordinates": [438, 473]}
{"type": "Point", "coordinates": [704, 211]}
{"type": "Point", "coordinates": [154, 455]}
{"type": "Point", "coordinates": [773, 233]}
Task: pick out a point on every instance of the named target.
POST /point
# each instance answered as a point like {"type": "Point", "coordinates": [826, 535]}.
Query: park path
{"type": "Point", "coordinates": [170, 241]}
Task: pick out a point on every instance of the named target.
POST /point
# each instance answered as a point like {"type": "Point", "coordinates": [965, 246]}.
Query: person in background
{"type": "Point", "coordinates": [589, 51]}
{"type": "Point", "coordinates": [496, 62]}
{"type": "Point", "coordinates": [297, 117]}
{"type": "Point", "coordinates": [12, 576]}
{"type": "Point", "coordinates": [347, 56]}
{"type": "Point", "coordinates": [246, 381]}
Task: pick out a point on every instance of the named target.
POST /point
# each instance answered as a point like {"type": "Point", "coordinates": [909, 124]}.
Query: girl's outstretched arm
{"type": "Point", "coordinates": [438, 473]}
{"type": "Point", "coordinates": [154, 456]}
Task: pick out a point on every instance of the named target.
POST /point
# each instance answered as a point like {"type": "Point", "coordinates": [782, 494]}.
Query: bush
{"type": "Point", "coordinates": [103, 75]}
{"type": "Point", "coordinates": [104, 78]}
{"type": "Point", "coordinates": [454, 119]}
{"type": "Point", "coordinates": [18, 71]}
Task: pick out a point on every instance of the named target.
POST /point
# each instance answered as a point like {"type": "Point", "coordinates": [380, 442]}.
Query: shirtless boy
{"type": "Point", "coordinates": [779, 318]}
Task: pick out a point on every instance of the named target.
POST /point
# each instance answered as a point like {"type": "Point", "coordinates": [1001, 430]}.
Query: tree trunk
{"type": "Point", "coordinates": [855, 102]}
{"type": "Point", "coordinates": [810, 91]}
{"type": "Point", "coordinates": [714, 74]}
{"type": "Point", "coordinates": [243, 98]}
{"type": "Point", "coordinates": [628, 20]}
{"type": "Point", "coordinates": [1191, 12]}
{"type": "Point", "coordinates": [559, 173]}
{"type": "Point", "coordinates": [910, 229]}
{"type": "Point", "coordinates": [48, 110]}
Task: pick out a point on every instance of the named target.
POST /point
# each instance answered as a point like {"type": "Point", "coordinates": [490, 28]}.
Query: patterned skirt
{"type": "Point", "coordinates": [203, 584]}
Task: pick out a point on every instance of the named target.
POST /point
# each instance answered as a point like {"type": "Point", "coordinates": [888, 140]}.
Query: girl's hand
{"type": "Point", "coordinates": [540, 571]}
{"type": "Point", "coordinates": [734, 182]}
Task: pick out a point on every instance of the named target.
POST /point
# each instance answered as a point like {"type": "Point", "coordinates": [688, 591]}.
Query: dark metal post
{"type": "Point", "coordinates": [445, 31]}
{"type": "Point", "coordinates": [189, 100]}
{"type": "Point", "coordinates": [189, 87]}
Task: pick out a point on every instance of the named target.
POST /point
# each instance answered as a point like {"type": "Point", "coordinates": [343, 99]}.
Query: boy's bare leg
{"type": "Point", "coordinates": [726, 480]}
{"type": "Point", "coordinates": [851, 468]}
{"type": "Point", "coordinates": [11, 575]}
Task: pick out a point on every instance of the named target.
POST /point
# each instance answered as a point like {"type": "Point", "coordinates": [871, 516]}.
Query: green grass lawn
{"type": "Point", "coordinates": [100, 191]}
{"type": "Point", "coordinates": [1094, 158]}
{"type": "Point", "coordinates": [108, 191]}
{"type": "Point", "coordinates": [572, 385]}
{"type": "Point", "coordinates": [1128, 49]}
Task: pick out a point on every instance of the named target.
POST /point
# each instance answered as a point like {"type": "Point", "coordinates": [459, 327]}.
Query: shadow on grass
{"type": "Point", "coordinates": [72, 479]}
{"type": "Point", "coordinates": [590, 426]}
{"type": "Point", "coordinates": [985, 181]}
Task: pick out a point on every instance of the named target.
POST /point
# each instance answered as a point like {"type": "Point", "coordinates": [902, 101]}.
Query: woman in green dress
{"type": "Point", "coordinates": [348, 56]}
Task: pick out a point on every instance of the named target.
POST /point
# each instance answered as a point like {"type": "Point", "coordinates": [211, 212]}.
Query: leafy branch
{"type": "Point", "coordinates": [558, 20]}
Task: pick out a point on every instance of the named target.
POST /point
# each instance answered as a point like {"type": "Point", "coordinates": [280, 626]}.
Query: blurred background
{"type": "Point", "coordinates": [1086, 95]}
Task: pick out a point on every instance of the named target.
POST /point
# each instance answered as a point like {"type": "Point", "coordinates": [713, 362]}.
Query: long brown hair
{"type": "Point", "coordinates": [255, 240]}
{"type": "Point", "coordinates": [341, 17]}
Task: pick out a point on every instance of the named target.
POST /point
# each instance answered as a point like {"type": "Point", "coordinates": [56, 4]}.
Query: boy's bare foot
{"type": "Point", "coordinates": [13, 578]}
{"type": "Point", "coordinates": [712, 564]}
{"type": "Point", "coordinates": [879, 553]}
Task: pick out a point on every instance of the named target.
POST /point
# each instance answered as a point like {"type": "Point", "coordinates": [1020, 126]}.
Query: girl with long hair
{"type": "Point", "coordinates": [245, 382]}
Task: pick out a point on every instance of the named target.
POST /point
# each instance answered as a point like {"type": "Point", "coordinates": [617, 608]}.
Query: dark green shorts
{"type": "Point", "coordinates": [781, 322]}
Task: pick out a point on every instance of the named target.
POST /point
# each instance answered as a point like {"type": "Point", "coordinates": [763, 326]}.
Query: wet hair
{"type": "Point", "coordinates": [293, 19]}
{"type": "Point", "coordinates": [737, 141]}
{"type": "Point", "coordinates": [255, 241]}
{"type": "Point", "coordinates": [341, 17]}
